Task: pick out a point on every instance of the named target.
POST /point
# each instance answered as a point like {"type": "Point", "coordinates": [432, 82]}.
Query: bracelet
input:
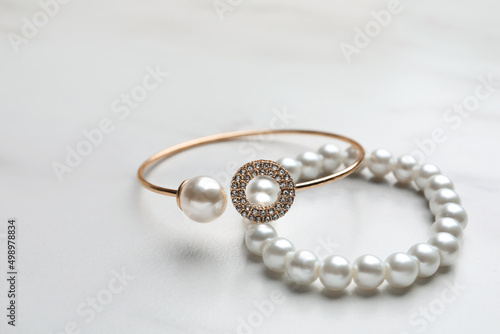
{"type": "Point", "coordinates": [261, 190]}
{"type": "Point", "coordinates": [400, 269]}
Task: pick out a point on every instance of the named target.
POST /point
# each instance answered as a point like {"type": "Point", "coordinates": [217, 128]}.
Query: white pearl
{"type": "Point", "coordinates": [441, 197]}
{"type": "Point", "coordinates": [202, 199]}
{"type": "Point", "coordinates": [435, 183]}
{"type": "Point", "coordinates": [368, 271]}
{"type": "Point", "coordinates": [263, 190]}
{"type": "Point", "coordinates": [293, 166]}
{"type": "Point", "coordinates": [401, 270]}
{"type": "Point", "coordinates": [256, 235]}
{"type": "Point", "coordinates": [312, 165]}
{"type": "Point", "coordinates": [332, 157]}
{"type": "Point", "coordinates": [380, 162]}
{"type": "Point", "coordinates": [423, 173]}
{"type": "Point", "coordinates": [448, 247]}
{"type": "Point", "coordinates": [448, 225]}
{"type": "Point", "coordinates": [274, 253]}
{"type": "Point", "coordinates": [427, 257]}
{"type": "Point", "coordinates": [404, 168]}
{"type": "Point", "coordinates": [335, 272]}
{"type": "Point", "coordinates": [302, 266]}
{"type": "Point", "coordinates": [455, 211]}
{"type": "Point", "coordinates": [351, 154]}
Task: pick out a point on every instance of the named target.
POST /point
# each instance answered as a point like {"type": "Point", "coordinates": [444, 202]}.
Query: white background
{"type": "Point", "coordinates": [266, 58]}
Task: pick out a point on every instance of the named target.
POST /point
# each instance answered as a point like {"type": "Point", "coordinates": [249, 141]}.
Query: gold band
{"type": "Point", "coordinates": [247, 133]}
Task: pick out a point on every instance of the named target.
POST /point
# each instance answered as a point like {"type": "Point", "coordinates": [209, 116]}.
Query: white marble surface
{"type": "Point", "coordinates": [264, 58]}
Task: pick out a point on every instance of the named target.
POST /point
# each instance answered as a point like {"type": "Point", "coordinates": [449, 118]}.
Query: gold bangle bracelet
{"type": "Point", "coordinates": [207, 199]}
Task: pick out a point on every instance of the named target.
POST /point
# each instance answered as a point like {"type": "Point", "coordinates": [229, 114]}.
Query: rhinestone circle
{"type": "Point", "coordinates": [262, 214]}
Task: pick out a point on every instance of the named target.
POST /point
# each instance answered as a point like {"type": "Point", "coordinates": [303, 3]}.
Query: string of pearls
{"type": "Point", "coordinates": [368, 271]}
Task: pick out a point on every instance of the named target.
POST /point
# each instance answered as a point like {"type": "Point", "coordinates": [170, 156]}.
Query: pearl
{"type": "Point", "coordinates": [424, 173]}
{"type": "Point", "coordinates": [256, 235]}
{"type": "Point", "coordinates": [312, 165]}
{"type": "Point", "coordinates": [351, 154]}
{"type": "Point", "coordinates": [293, 166]}
{"type": "Point", "coordinates": [443, 196]}
{"type": "Point", "coordinates": [380, 162]}
{"type": "Point", "coordinates": [455, 211]}
{"type": "Point", "coordinates": [263, 190]}
{"type": "Point", "coordinates": [368, 272]}
{"type": "Point", "coordinates": [427, 257]}
{"type": "Point", "coordinates": [404, 168]}
{"type": "Point", "coordinates": [332, 157]}
{"type": "Point", "coordinates": [435, 183]}
{"type": "Point", "coordinates": [274, 253]}
{"type": "Point", "coordinates": [448, 247]}
{"type": "Point", "coordinates": [401, 270]}
{"type": "Point", "coordinates": [302, 266]}
{"type": "Point", "coordinates": [448, 225]}
{"type": "Point", "coordinates": [335, 272]}
{"type": "Point", "coordinates": [202, 199]}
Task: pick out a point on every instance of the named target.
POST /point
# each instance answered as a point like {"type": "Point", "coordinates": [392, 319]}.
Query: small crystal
{"type": "Point", "coordinates": [239, 208]}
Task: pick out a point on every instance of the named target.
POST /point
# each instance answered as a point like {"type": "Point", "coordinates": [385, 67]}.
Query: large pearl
{"type": "Point", "coordinates": [351, 154]}
{"type": "Point", "coordinates": [380, 162]}
{"type": "Point", "coordinates": [256, 235]}
{"type": "Point", "coordinates": [401, 270]}
{"type": "Point", "coordinates": [302, 266]}
{"type": "Point", "coordinates": [441, 197]}
{"type": "Point", "coordinates": [202, 199]}
{"type": "Point", "coordinates": [274, 253]}
{"type": "Point", "coordinates": [423, 173]}
{"type": "Point", "coordinates": [404, 168]}
{"type": "Point", "coordinates": [455, 211]}
{"type": "Point", "coordinates": [435, 183]}
{"type": "Point", "coordinates": [263, 190]}
{"type": "Point", "coordinates": [368, 271]}
{"type": "Point", "coordinates": [332, 157]}
{"type": "Point", "coordinates": [427, 257]}
{"type": "Point", "coordinates": [448, 247]}
{"type": "Point", "coordinates": [312, 165]}
{"type": "Point", "coordinates": [293, 166]}
{"type": "Point", "coordinates": [448, 225]}
{"type": "Point", "coordinates": [335, 272]}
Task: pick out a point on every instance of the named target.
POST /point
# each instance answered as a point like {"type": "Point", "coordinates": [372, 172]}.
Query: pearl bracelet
{"type": "Point", "coordinates": [368, 271]}
{"type": "Point", "coordinates": [261, 190]}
